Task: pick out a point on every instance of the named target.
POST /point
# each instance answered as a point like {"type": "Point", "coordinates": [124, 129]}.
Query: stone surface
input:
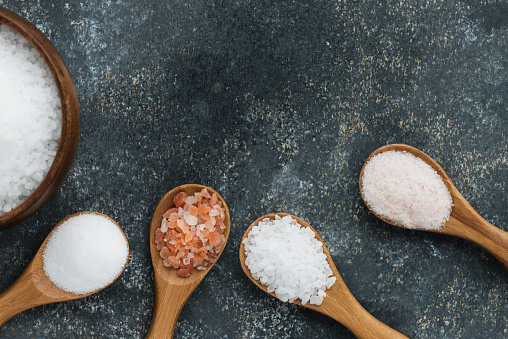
{"type": "Point", "coordinates": [276, 105]}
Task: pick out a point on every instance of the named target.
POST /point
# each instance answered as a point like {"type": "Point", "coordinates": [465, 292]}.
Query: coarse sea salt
{"type": "Point", "coordinates": [85, 253]}
{"type": "Point", "coordinates": [289, 260]}
{"type": "Point", "coordinates": [30, 119]}
{"type": "Point", "coordinates": [405, 190]}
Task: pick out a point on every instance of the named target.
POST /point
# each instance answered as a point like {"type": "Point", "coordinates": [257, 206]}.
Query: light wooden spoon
{"type": "Point", "coordinates": [464, 221]}
{"type": "Point", "coordinates": [33, 287]}
{"type": "Point", "coordinates": [339, 303]}
{"type": "Point", "coordinates": [171, 290]}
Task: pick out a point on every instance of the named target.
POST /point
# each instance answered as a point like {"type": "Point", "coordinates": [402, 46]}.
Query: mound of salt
{"type": "Point", "coordinates": [405, 190]}
{"type": "Point", "coordinates": [289, 260]}
{"type": "Point", "coordinates": [30, 119]}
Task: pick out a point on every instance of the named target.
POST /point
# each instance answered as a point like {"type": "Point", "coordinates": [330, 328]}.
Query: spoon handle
{"type": "Point", "coordinates": [341, 305]}
{"type": "Point", "coordinates": [169, 302]}
{"type": "Point", "coordinates": [365, 326]}
{"type": "Point", "coordinates": [20, 296]}
{"type": "Point", "coordinates": [467, 224]}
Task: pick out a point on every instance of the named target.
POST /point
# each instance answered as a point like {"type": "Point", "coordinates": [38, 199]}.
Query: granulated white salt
{"type": "Point", "coordinates": [85, 253]}
{"type": "Point", "coordinates": [289, 260]}
{"type": "Point", "coordinates": [405, 190]}
{"type": "Point", "coordinates": [30, 119]}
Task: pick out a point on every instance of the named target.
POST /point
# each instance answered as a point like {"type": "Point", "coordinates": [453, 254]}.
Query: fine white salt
{"type": "Point", "coordinates": [407, 191]}
{"type": "Point", "coordinates": [85, 253]}
{"type": "Point", "coordinates": [30, 119]}
{"type": "Point", "coordinates": [289, 260]}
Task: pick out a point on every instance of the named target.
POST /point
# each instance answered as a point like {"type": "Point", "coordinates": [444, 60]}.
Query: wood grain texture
{"type": "Point", "coordinates": [70, 119]}
{"type": "Point", "coordinates": [464, 221]}
{"type": "Point", "coordinates": [33, 288]}
{"type": "Point", "coordinates": [339, 303]}
{"type": "Point", "coordinates": [171, 290]}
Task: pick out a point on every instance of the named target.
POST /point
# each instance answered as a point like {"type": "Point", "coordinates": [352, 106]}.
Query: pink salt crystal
{"type": "Point", "coordinates": [191, 220]}
{"type": "Point", "coordinates": [179, 199]}
{"type": "Point", "coordinates": [158, 235]}
{"type": "Point", "coordinates": [166, 263]}
{"type": "Point", "coordinates": [164, 253]}
{"type": "Point", "coordinates": [184, 273]}
{"type": "Point", "coordinates": [214, 212]}
{"type": "Point", "coordinates": [204, 193]}
{"type": "Point", "coordinates": [213, 199]}
{"type": "Point", "coordinates": [193, 210]}
{"type": "Point", "coordinates": [174, 261]}
{"type": "Point", "coordinates": [191, 200]}
{"type": "Point", "coordinates": [164, 225]}
{"type": "Point", "coordinates": [173, 217]}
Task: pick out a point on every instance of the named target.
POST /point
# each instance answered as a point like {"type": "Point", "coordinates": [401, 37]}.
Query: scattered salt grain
{"type": "Point", "coordinates": [289, 260]}
{"type": "Point", "coordinates": [407, 191]}
{"type": "Point", "coordinates": [30, 119]}
{"type": "Point", "coordinates": [85, 253]}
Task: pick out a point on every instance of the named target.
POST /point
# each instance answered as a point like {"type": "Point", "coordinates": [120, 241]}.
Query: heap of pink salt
{"type": "Point", "coordinates": [191, 234]}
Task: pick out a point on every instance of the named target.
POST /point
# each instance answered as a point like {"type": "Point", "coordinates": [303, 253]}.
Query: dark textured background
{"type": "Point", "coordinates": [276, 105]}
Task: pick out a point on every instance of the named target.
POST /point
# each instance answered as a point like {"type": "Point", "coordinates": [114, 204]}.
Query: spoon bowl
{"type": "Point", "coordinates": [34, 288]}
{"type": "Point", "coordinates": [464, 221]}
{"type": "Point", "coordinates": [171, 290]}
{"type": "Point", "coordinates": [339, 303]}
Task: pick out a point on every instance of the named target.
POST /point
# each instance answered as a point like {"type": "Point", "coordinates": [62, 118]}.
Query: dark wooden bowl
{"type": "Point", "coordinates": [70, 120]}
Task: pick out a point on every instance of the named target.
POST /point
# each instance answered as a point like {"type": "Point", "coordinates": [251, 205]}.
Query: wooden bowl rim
{"type": "Point", "coordinates": [69, 134]}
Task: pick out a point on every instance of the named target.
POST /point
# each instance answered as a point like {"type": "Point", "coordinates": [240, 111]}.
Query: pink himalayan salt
{"type": "Point", "coordinates": [189, 237]}
{"type": "Point", "coordinates": [405, 190]}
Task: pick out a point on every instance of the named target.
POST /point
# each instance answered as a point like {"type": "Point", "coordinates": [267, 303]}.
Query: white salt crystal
{"type": "Point", "coordinates": [316, 300]}
{"type": "Point", "coordinates": [85, 253]}
{"type": "Point", "coordinates": [288, 260]}
{"type": "Point", "coordinates": [406, 190]}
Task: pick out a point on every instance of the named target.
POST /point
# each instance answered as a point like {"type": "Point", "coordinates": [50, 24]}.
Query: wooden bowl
{"type": "Point", "coordinates": [70, 120]}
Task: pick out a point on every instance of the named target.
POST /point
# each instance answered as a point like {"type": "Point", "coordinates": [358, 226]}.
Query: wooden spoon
{"type": "Point", "coordinates": [339, 303]}
{"type": "Point", "coordinates": [171, 290]}
{"type": "Point", "coordinates": [33, 287]}
{"type": "Point", "coordinates": [464, 221]}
